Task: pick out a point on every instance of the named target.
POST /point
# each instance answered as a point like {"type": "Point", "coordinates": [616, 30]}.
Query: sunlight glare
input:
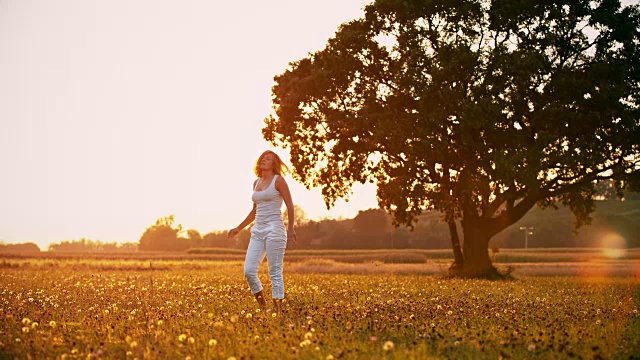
{"type": "Point", "coordinates": [613, 246]}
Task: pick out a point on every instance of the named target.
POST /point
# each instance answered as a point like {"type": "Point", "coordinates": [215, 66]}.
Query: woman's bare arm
{"type": "Point", "coordinates": [283, 188]}
{"type": "Point", "coordinates": [248, 220]}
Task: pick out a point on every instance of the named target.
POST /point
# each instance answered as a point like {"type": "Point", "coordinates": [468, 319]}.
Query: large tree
{"type": "Point", "coordinates": [478, 109]}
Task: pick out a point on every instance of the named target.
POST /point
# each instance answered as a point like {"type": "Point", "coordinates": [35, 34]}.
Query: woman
{"type": "Point", "coordinates": [268, 235]}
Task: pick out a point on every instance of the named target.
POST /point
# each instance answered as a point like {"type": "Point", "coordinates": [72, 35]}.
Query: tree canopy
{"type": "Point", "coordinates": [478, 109]}
{"type": "Point", "coordinates": [163, 236]}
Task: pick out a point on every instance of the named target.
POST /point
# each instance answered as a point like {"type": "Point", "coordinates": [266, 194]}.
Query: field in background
{"type": "Point", "coordinates": [543, 262]}
{"type": "Point", "coordinates": [536, 255]}
{"type": "Point", "coordinates": [124, 309]}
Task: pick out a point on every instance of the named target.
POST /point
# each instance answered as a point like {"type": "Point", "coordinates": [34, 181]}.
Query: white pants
{"type": "Point", "coordinates": [270, 239]}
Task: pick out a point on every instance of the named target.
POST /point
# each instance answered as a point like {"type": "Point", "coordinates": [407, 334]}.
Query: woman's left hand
{"type": "Point", "coordinates": [291, 235]}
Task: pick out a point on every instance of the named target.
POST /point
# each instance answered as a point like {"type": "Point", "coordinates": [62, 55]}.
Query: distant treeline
{"type": "Point", "coordinates": [25, 248]}
{"type": "Point", "coordinates": [70, 246]}
{"type": "Point", "coordinates": [90, 246]}
{"type": "Point", "coordinates": [615, 224]}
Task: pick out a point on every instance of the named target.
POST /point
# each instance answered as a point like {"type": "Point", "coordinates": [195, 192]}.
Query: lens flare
{"type": "Point", "coordinates": [613, 246]}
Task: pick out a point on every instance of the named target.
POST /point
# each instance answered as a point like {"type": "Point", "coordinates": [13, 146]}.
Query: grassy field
{"type": "Point", "coordinates": [534, 255]}
{"type": "Point", "coordinates": [201, 309]}
{"type": "Point", "coordinates": [557, 261]}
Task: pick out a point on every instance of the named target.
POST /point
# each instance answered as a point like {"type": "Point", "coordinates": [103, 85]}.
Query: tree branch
{"type": "Point", "coordinates": [515, 213]}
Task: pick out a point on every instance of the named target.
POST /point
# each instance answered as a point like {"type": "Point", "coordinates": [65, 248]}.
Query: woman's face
{"type": "Point", "coordinates": [266, 163]}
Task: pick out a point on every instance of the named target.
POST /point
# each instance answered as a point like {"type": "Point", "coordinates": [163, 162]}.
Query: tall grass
{"type": "Point", "coordinates": [178, 313]}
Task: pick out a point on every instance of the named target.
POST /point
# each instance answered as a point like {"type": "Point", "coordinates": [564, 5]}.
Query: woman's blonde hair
{"type": "Point", "coordinates": [278, 165]}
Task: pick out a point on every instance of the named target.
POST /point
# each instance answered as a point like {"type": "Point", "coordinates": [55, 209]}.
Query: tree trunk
{"type": "Point", "coordinates": [455, 243]}
{"type": "Point", "coordinates": [477, 263]}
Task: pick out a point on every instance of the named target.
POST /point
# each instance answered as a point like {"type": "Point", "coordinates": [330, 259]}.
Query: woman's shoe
{"type": "Point", "coordinates": [277, 306]}
{"type": "Point", "coordinates": [262, 303]}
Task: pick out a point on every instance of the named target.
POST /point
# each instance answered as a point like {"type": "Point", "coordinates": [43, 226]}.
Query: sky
{"type": "Point", "coordinates": [116, 113]}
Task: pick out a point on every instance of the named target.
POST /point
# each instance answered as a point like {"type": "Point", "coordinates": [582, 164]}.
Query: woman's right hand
{"type": "Point", "coordinates": [232, 233]}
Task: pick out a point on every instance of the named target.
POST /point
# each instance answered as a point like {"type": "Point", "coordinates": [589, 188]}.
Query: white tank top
{"type": "Point", "coordinates": [268, 204]}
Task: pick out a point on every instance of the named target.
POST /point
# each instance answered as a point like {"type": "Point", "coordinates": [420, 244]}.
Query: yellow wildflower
{"type": "Point", "coordinates": [305, 343]}
{"type": "Point", "coordinates": [388, 346]}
